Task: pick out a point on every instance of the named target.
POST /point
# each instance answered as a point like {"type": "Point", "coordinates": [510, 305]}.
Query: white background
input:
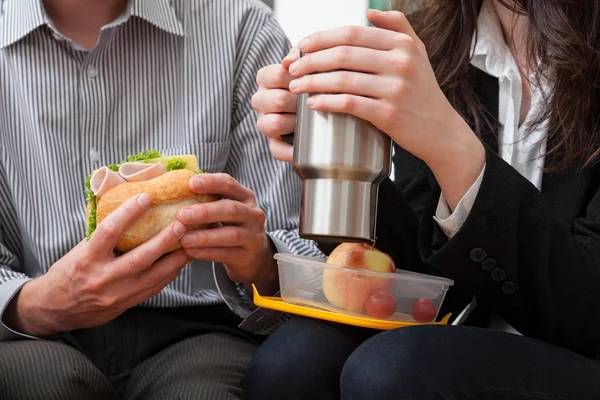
{"type": "Point", "coordinates": [299, 18]}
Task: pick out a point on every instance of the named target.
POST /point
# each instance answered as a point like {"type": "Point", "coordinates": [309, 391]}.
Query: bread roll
{"type": "Point", "coordinates": [170, 193]}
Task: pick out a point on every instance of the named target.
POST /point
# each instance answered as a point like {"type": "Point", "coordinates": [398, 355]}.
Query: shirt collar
{"type": "Point", "coordinates": [490, 52]}
{"type": "Point", "coordinates": [159, 13]}
{"type": "Point", "coordinates": [19, 18]}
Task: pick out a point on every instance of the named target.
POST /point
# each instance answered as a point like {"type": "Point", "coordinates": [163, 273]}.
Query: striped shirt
{"type": "Point", "coordinates": [171, 75]}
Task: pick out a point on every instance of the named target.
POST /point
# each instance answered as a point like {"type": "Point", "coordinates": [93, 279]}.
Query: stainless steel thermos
{"type": "Point", "coordinates": [341, 161]}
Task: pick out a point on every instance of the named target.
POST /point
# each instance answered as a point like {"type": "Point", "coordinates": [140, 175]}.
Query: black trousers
{"type": "Point", "coordinates": [312, 359]}
{"type": "Point", "coordinates": [193, 353]}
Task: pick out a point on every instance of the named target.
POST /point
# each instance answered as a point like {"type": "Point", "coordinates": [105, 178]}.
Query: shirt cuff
{"type": "Point", "coordinates": [8, 290]}
{"type": "Point", "coordinates": [279, 245]}
{"type": "Point", "coordinates": [451, 222]}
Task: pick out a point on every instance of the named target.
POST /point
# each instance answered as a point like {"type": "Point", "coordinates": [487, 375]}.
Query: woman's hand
{"type": "Point", "coordinates": [276, 105]}
{"type": "Point", "coordinates": [382, 74]}
{"type": "Point", "coordinates": [239, 240]}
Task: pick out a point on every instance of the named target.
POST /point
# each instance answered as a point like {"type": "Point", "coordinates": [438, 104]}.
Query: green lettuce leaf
{"type": "Point", "coordinates": [175, 164]}
{"type": "Point", "coordinates": [144, 156]}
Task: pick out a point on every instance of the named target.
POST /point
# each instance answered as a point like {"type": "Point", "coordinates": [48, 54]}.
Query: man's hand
{"type": "Point", "coordinates": [239, 240]}
{"type": "Point", "coordinates": [90, 285]}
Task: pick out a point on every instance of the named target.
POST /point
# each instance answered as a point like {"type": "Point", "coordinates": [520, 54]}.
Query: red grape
{"type": "Point", "coordinates": [381, 305]}
{"type": "Point", "coordinates": [424, 310]}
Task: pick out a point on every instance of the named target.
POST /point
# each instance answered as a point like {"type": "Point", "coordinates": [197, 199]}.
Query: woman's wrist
{"type": "Point", "coordinates": [458, 161]}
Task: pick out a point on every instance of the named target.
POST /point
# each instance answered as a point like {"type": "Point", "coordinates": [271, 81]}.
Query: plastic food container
{"type": "Point", "coordinates": [358, 296]}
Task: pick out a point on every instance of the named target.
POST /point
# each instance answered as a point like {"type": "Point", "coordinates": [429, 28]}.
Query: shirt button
{"type": "Point", "coordinates": [509, 288]}
{"type": "Point", "coordinates": [498, 275]}
{"type": "Point", "coordinates": [94, 155]}
{"type": "Point", "coordinates": [488, 265]}
{"type": "Point", "coordinates": [478, 255]}
{"type": "Point", "coordinates": [92, 72]}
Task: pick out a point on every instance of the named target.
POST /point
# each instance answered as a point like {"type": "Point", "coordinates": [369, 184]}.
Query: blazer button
{"type": "Point", "coordinates": [488, 265]}
{"type": "Point", "coordinates": [478, 255]}
{"type": "Point", "coordinates": [509, 288]}
{"type": "Point", "coordinates": [498, 275]}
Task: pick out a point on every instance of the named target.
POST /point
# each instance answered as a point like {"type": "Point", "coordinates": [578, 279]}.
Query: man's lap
{"type": "Point", "coordinates": [437, 362]}
{"type": "Point", "coordinates": [41, 369]}
{"type": "Point", "coordinates": [193, 352]}
{"type": "Point", "coordinates": [209, 366]}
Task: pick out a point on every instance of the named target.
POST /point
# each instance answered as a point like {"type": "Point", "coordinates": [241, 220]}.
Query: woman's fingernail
{"type": "Point", "coordinates": [187, 215]}
{"type": "Point", "coordinates": [293, 53]}
{"type": "Point", "coordinates": [144, 200]}
{"type": "Point", "coordinates": [294, 67]}
{"type": "Point", "coordinates": [310, 102]}
{"type": "Point", "coordinates": [178, 228]}
{"type": "Point", "coordinates": [294, 84]}
{"type": "Point", "coordinates": [303, 44]}
{"type": "Point", "coordinates": [373, 10]}
{"type": "Point", "coordinates": [188, 239]}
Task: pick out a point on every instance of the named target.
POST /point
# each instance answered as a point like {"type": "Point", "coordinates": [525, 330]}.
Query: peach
{"type": "Point", "coordinates": [348, 290]}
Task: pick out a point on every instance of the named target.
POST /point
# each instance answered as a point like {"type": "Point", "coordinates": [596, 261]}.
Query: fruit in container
{"type": "Point", "coordinates": [350, 290]}
{"type": "Point", "coordinates": [424, 310]}
{"type": "Point", "coordinates": [381, 305]}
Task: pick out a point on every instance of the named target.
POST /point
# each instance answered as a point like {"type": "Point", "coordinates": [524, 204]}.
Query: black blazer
{"type": "Point", "coordinates": [532, 257]}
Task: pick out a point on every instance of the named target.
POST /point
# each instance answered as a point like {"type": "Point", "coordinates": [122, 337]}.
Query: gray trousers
{"type": "Point", "coordinates": [144, 354]}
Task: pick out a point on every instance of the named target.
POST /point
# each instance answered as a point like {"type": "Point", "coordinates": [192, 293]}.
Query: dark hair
{"type": "Point", "coordinates": [564, 35]}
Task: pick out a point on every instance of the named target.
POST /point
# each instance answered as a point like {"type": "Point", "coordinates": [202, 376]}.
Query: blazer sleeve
{"type": "Point", "coordinates": [542, 277]}
{"type": "Point", "coordinates": [400, 205]}
{"type": "Point", "coordinates": [400, 209]}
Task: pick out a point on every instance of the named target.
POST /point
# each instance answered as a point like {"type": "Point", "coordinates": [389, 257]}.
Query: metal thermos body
{"type": "Point", "coordinates": [341, 160]}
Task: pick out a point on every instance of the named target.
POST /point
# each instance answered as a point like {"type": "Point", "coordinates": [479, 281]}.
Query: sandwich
{"type": "Point", "coordinates": [164, 178]}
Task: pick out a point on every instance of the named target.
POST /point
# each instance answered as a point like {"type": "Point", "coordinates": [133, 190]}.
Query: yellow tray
{"type": "Point", "coordinates": [276, 303]}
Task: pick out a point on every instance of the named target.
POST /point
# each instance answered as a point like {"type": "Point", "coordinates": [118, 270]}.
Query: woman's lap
{"type": "Point", "coordinates": [456, 362]}
{"type": "Point", "coordinates": [312, 359]}
{"type": "Point", "coordinates": [299, 350]}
